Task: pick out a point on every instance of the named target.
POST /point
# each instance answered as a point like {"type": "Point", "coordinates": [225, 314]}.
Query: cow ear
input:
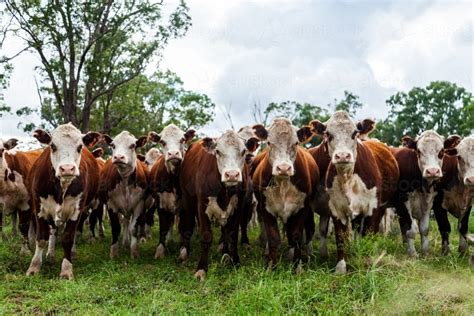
{"type": "Point", "coordinates": [189, 135]}
{"type": "Point", "coordinates": [318, 127]}
{"type": "Point", "coordinates": [252, 144]}
{"type": "Point", "coordinates": [260, 131]}
{"type": "Point", "coordinates": [98, 152]}
{"type": "Point", "coordinates": [91, 138]}
{"type": "Point", "coordinates": [154, 137]}
{"type": "Point", "coordinates": [141, 157]}
{"type": "Point", "coordinates": [366, 126]}
{"type": "Point", "coordinates": [209, 145]}
{"type": "Point", "coordinates": [42, 136]}
{"type": "Point", "coordinates": [408, 142]}
{"type": "Point", "coordinates": [451, 152]}
{"type": "Point", "coordinates": [141, 141]}
{"type": "Point", "coordinates": [452, 141]}
{"type": "Point", "coordinates": [107, 138]}
{"type": "Point", "coordinates": [304, 134]}
{"type": "Point", "coordinates": [10, 144]}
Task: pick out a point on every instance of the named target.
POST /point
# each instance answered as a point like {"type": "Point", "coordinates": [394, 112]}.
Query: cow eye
{"type": "Point", "coordinates": [182, 140]}
{"type": "Point", "coordinates": [243, 152]}
{"type": "Point", "coordinates": [112, 146]}
{"type": "Point", "coordinates": [53, 147]}
{"type": "Point", "coordinates": [132, 146]}
{"type": "Point", "coordinates": [441, 154]}
{"type": "Point", "coordinates": [79, 148]}
{"type": "Point", "coordinates": [163, 143]}
{"type": "Point", "coordinates": [218, 153]}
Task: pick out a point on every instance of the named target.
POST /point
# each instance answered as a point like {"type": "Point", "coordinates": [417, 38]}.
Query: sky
{"type": "Point", "coordinates": [244, 52]}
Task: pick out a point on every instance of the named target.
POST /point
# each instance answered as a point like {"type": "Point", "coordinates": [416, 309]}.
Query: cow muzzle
{"type": "Point", "coordinates": [232, 177]}
{"type": "Point", "coordinates": [342, 157]}
{"type": "Point", "coordinates": [284, 170]}
{"type": "Point", "coordinates": [67, 171]}
{"type": "Point", "coordinates": [174, 155]}
{"type": "Point", "coordinates": [469, 181]}
{"type": "Point", "coordinates": [432, 173]}
{"type": "Point", "coordinates": [119, 159]}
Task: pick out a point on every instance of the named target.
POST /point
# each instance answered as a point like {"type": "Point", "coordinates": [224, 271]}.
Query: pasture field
{"type": "Point", "coordinates": [381, 280]}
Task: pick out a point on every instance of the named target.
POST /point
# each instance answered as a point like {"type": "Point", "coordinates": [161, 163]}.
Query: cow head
{"type": "Point", "coordinates": [247, 134]}
{"type": "Point", "coordinates": [172, 140]}
{"type": "Point", "coordinates": [5, 146]}
{"type": "Point", "coordinates": [283, 140]}
{"type": "Point", "coordinates": [464, 150]}
{"type": "Point", "coordinates": [341, 134]}
{"type": "Point", "coordinates": [124, 155]}
{"type": "Point", "coordinates": [230, 151]}
{"type": "Point", "coordinates": [65, 147]}
{"type": "Point", "coordinates": [430, 150]}
{"type": "Point", "coordinates": [151, 157]}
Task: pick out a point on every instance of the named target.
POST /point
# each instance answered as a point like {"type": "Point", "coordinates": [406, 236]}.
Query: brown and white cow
{"type": "Point", "coordinates": [212, 185]}
{"type": "Point", "coordinates": [124, 189]}
{"type": "Point", "coordinates": [165, 175]}
{"type": "Point", "coordinates": [14, 169]}
{"type": "Point", "coordinates": [63, 181]}
{"type": "Point", "coordinates": [456, 191]}
{"type": "Point", "coordinates": [285, 181]}
{"type": "Point", "coordinates": [420, 163]}
{"type": "Point", "coordinates": [361, 178]}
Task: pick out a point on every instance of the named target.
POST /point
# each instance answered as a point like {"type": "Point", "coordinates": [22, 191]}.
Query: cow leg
{"type": "Point", "coordinates": [51, 254]}
{"type": "Point", "coordinates": [80, 226]}
{"type": "Point", "coordinates": [310, 228]}
{"type": "Point", "coordinates": [342, 237]}
{"type": "Point", "coordinates": [444, 226]}
{"type": "Point", "coordinates": [149, 221]}
{"type": "Point", "coordinates": [273, 236]}
{"type": "Point", "coordinates": [404, 218]}
{"type": "Point", "coordinates": [115, 226]}
{"type": "Point", "coordinates": [166, 221]}
{"type": "Point", "coordinates": [1, 218]}
{"type": "Point", "coordinates": [424, 230]}
{"type": "Point", "coordinates": [206, 241]}
{"type": "Point", "coordinates": [42, 236]}
{"type": "Point", "coordinates": [126, 232]}
{"type": "Point", "coordinates": [323, 235]}
{"type": "Point", "coordinates": [14, 223]}
{"type": "Point", "coordinates": [463, 227]}
{"type": "Point", "coordinates": [231, 237]}
{"type": "Point", "coordinates": [68, 243]}
{"type": "Point", "coordinates": [411, 234]}
{"type": "Point", "coordinates": [24, 225]}
{"type": "Point", "coordinates": [137, 220]}
{"type": "Point", "coordinates": [294, 231]}
{"type": "Point", "coordinates": [186, 226]}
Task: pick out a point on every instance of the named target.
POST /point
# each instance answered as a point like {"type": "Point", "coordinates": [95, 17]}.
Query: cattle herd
{"type": "Point", "coordinates": [267, 172]}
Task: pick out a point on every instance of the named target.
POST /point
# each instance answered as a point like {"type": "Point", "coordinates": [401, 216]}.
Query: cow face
{"type": "Point", "coordinates": [5, 146]}
{"type": "Point", "coordinates": [151, 157]}
{"type": "Point", "coordinates": [464, 149]}
{"type": "Point", "coordinates": [230, 150]}
{"type": "Point", "coordinates": [65, 147]}
{"type": "Point", "coordinates": [124, 155]}
{"type": "Point", "coordinates": [247, 133]}
{"type": "Point", "coordinates": [172, 140]}
{"type": "Point", "coordinates": [430, 151]}
{"type": "Point", "coordinates": [340, 133]}
{"type": "Point", "coordinates": [283, 140]}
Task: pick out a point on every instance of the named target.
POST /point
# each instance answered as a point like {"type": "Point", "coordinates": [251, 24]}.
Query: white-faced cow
{"type": "Point", "coordinates": [165, 175]}
{"type": "Point", "coordinates": [361, 178]}
{"type": "Point", "coordinates": [285, 181]}
{"type": "Point", "coordinates": [63, 181]}
{"type": "Point", "coordinates": [212, 185]}
{"type": "Point", "coordinates": [456, 191]}
{"type": "Point", "coordinates": [124, 189]}
{"type": "Point", "coordinates": [14, 168]}
{"type": "Point", "coordinates": [420, 162]}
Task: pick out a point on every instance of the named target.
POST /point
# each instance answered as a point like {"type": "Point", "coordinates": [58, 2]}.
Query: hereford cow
{"type": "Point", "coordinates": [456, 191]}
{"type": "Point", "coordinates": [361, 178]}
{"type": "Point", "coordinates": [420, 163]}
{"type": "Point", "coordinates": [124, 189]}
{"type": "Point", "coordinates": [165, 175]}
{"type": "Point", "coordinates": [285, 183]}
{"type": "Point", "coordinates": [14, 169]}
{"type": "Point", "coordinates": [62, 182]}
{"type": "Point", "coordinates": [212, 185]}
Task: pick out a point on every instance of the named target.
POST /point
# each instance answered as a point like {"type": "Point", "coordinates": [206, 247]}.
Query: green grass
{"type": "Point", "coordinates": [381, 280]}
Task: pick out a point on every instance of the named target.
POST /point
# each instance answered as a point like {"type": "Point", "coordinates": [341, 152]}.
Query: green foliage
{"type": "Point", "coordinates": [350, 103]}
{"type": "Point", "coordinates": [442, 106]}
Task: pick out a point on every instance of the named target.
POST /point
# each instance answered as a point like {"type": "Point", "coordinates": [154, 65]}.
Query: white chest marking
{"type": "Point", "coordinates": [168, 201]}
{"type": "Point", "coordinates": [216, 214]}
{"type": "Point", "coordinates": [125, 198]}
{"type": "Point", "coordinates": [283, 199]}
{"type": "Point", "coordinates": [60, 213]}
{"type": "Point", "coordinates": [419, 203]}
{"type": "Point", "coordinates": [349, 198]}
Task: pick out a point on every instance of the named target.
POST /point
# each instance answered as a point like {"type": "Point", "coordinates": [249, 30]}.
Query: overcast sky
{"type": "Point", "coordinates": [243, 52]}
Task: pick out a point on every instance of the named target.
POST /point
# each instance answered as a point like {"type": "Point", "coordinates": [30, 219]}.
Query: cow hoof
{"type": "Point", "coordinates": [33, 269]}
{"type": "Point", "coordinates": [183, 254]}
{"type": "Point", "coordinates": [470, 239]}
{"type": "Point", "coordinates": [267, 250]}
{"type": "Point", "coordinates": [341, 267]}
{"type": "Point", "coordinates": [142, 240]}
{"type": "Point", "coordinates": [445, 250]}
{"type": "Point", "coordinates": [226, 259]}
{"type": "Point", "coordinates": [160, 251]}
{"type": "Point", "coordinates": [412, 253]}
{"type": "Point", "coordinates": [309, 249]}
{"type": "Point", "coordinates": [25, 251]}
{"type": "Point", "coordinates": [114, 251]}
{"type": "Point", "coordinates": [200, 275]}
{"type": "Point", "coordinates": [299, 268]}
{"type": "Point", "coordinates": [51, 257]}
{"type": "Point", "coordinates": [66, 270]}
{"type": "Point", "coordinates": [291, 254]}
{"type": "Point", "coordinates": [220, 247]}
{"type": "Point", "coordinates": [463, 248]}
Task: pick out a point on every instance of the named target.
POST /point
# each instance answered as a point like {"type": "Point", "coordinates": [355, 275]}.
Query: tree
{"type": "Point", "coordinates": [89, 49]}
{"type": "Point", "coordinates": [145, 104]}
{"type": "Point", "coordinates": [442, 106]}
{"type": "Point", "coordinates": [350, 103]}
